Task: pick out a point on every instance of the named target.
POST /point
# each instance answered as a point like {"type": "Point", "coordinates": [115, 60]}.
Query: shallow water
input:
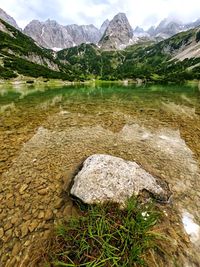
{"type": "Point", "coordinates": [46, 132]}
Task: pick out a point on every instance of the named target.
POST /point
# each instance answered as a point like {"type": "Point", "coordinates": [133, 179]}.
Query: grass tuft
{"type": "Point", "coordinates": [106, 236]}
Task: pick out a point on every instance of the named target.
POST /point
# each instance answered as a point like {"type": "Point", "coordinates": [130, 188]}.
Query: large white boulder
{"type": "Point", "coordinates": [106, 178]}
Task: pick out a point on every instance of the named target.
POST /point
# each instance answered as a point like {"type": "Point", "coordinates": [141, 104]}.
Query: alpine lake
{"type": "Point", "coordinates": [46, 131]}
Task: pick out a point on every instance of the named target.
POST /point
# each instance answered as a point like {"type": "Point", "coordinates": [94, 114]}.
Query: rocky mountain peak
{"type": "Point", "coordinates": [49, 34]}
{"type": "Point", "coordinates": [121, 17]}
{"type": "Point", "coordinates": [122, 22]}
{"type": "Point", "coordinates": [118, 34]}
{"type": "Point", "coordinates": [168, 27]}
{"type": "Point", "coordinates": [192, 25]}
{"type": "Point", "coordinates": [83, 33]}
{"type": "Point", "coordinates": [139, 30]}
{"type": "Point", "coordinates": [4, 16]}
{"type": "Point", "coordinates": [151, 30]}
{"type": "Point", "coordinates": [52, 23]}
{"type": "Point", "coordinates": [167, 21]}
{"type": "Point", "coordinates": [104, 26]}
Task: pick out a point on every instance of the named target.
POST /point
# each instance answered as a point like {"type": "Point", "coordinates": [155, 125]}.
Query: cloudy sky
{"type": "Point", "coordinates": [139, 12]}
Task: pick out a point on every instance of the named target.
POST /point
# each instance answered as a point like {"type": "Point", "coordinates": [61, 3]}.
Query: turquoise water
{"type": "Point", "coordinates": [26, 107]}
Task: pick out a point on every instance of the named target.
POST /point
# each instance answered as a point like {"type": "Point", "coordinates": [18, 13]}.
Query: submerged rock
{"type": "Point", "coordinates": [107, 178]}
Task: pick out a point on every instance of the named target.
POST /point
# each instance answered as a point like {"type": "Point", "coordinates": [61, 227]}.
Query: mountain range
{"type": "Point", "coordinates": [114, 34]}
{"type": "Point", "coordinates": [50, 34]}
{"type": "Point", "coordinates": [113, 52]}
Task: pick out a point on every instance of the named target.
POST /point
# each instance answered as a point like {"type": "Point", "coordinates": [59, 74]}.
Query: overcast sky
{"type": "Point", "coordinates": [139, 12]}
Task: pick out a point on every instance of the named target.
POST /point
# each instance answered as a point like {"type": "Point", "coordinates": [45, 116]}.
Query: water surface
{"type": "Point", "coordinates": [45, 132]}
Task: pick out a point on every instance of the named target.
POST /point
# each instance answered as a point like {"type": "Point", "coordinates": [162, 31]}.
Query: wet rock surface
{"type": "Point", "coordinates": [106, 178]}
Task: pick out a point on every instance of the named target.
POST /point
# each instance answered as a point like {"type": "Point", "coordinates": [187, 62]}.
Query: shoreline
{"type": "Point", "coordinates": [54, 82]}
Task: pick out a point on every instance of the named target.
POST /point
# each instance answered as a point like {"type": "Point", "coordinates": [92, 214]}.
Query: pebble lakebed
{"type": "Point", "coordinates": [43, 140]}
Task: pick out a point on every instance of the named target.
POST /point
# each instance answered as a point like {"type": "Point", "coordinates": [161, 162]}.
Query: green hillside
{"type": "Point", "coordinates": [20, 55]}
{"type": "Point", "coordinates": [151, 62]}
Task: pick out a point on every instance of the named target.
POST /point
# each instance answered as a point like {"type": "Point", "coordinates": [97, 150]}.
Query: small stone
{"type": "Point", "coordinates": [47, 226]}
{"type": "Point", "coordinates": [27, 243]}
{"type": "Point", "coordinates": [8, 235]}
{"type": "Point", "coordinates": [74, 212]}
{"type": "Point", "coordinates": [24, 229]}
{"type": "Point", "coordinates": [16, 249]}
{"type": "Point", "coordinates": [46, 234]}
{"type": "Point", "coordinates": [55, 211]}
{"type": "Point", "coordinates": [43, 191]}
{"type": "Point", "coordinates": [17, 232]}
{"type": "Point", "coordinates": [7, 226]}
{"type": "Point", "coordinates": [46, 201]}
{"type": "Point", "coordinates": [58, 176]}
{"type": "Point", "coordinates": [26, 196]}
{"type": "Point", "coordinates": [15, 219]}
{"type": "Point", "coordinates": [48, 215]}
{"type": "Point", "coordinates": [35, 214]}
{"type": "Point", "coordinates": [2, 215]}
{"type": "Point", "coordinates": [10, 203]}
{"type": "Point", "coordinates": [23, 188]}
{"type": "Point", "coordinates": [27, 217]}
{"type": "Point", "coordinates": [33, 225]}
{"type": "Point", "coordinates": [58, 203]}
{"type": "Point", "coordinates": [67, 212]}
{"type": "Point", "coordinates": [18, 201]}
{"type": "Point", "coordinates": [41, 225]}
{"type": "Point", "coordinates": [27, 206]}
{"type": "Point", "coordinates": [41, 215]}
{"type": "Point", "coordinates": [11, 212]}
{"type": "Point", "coordinates": [1, 232]}
{"type": "Point", "coordinates": [9, 196]}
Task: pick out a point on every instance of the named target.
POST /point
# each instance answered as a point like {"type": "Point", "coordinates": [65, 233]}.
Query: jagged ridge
{"type": "Point", "coordinates": [174, 59]}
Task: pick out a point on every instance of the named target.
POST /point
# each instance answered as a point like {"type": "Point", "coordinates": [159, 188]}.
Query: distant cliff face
{"type": "Point", "coordinates": [104, 26]}
{"type": "Point", "coordinates": [4, 16]}
{"type": "Point", "coordinates": [118, 34]}
{"type": "Point", "coordinates": [84, 33]}
{"type": "Point", "coordinates": [139, 32]}
{"type": "Point", "coordinates": [52, 35]}
{"type": "Point", "coordinates": [49, 34]}
{"type": "Point", "coordinates": [169, 27]}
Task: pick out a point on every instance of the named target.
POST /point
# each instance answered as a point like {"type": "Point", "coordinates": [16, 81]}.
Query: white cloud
{"type": "Point", "coordinates": [142, 12]}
